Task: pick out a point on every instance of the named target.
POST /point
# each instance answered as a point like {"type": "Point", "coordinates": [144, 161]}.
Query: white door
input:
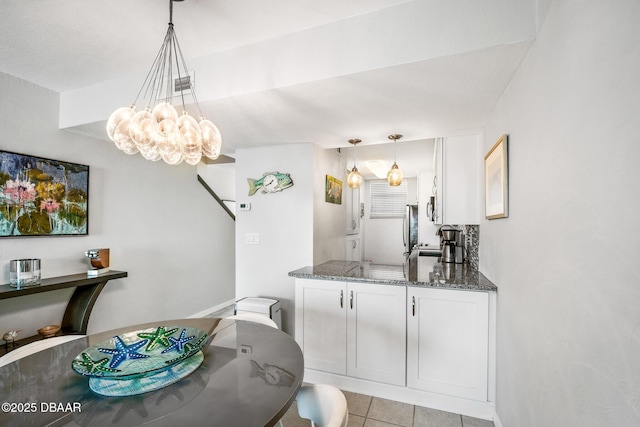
{"type": "Point", "coordinates": [376, 332]}
{"type": "Point", "coordinates": [321, 324]}
{"type": "Point", "coordinates": [447, 348]}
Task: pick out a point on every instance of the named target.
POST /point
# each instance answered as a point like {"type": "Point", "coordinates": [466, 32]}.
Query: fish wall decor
{"type": "Point", "coordinates": [271, 182]}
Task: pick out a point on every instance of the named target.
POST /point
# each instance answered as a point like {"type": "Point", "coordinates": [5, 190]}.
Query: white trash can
{"type": "Point", "coordinates": [263, 306]}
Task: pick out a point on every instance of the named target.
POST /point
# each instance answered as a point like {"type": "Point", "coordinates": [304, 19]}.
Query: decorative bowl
{"type": "Point", "coordinates": [49, 331]}
{"type": "Point", "coordinates": [140, 353]}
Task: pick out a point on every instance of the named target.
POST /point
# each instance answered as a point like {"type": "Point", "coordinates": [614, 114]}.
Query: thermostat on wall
{"type": "Point", "coordinates": [245, 206]}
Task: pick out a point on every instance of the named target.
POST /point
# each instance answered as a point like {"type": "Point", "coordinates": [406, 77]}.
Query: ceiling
{"type": "Point", "coordinates": [282, 71]}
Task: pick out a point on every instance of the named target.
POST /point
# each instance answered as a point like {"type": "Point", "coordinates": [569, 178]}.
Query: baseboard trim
{"type": "Point", "coordinates": [212, 310]}
{"type": "Point", "coordinates": [471, 408]}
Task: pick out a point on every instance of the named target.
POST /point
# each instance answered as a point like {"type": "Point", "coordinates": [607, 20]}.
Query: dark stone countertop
{"type": "Point", "coordinates": [419, 271]}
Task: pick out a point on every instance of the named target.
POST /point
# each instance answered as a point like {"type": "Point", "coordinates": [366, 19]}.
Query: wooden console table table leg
{"type": "Point", "coordinates": [76, 316]}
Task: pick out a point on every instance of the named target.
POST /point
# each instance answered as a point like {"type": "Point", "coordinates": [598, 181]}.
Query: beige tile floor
{"type": "Point", "coordinates": [368, 411]}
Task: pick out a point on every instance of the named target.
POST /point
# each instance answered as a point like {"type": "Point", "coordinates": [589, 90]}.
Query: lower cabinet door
{"type": "Point", "coordinates": [321, 324]}
{"type": "Point", "coordinates": [376, 332]}
{"type": "Point", "coordinates": [447, 348]}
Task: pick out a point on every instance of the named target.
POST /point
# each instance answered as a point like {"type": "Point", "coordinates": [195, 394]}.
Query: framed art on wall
{"type": "Point", "coordinates": [496, 180]}
{"type": "Point", "coordinates": [42, 197]}
{"type": "Point", "coordinates": [333, 190]}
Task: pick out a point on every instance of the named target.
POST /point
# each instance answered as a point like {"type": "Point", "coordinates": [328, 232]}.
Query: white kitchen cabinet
{"type": "Point", "coordinates": [376, 332]}
{"type": "Point", "coordinates": [352, 329]}
{"type": "Point", "coordinates": [352, 201]}
{"type": "Point", "coordinates": [458, 177]}
{"type": "Point", "coordinates": [448, 342]}
{"type": "Point", "coordinates": [321, 319]}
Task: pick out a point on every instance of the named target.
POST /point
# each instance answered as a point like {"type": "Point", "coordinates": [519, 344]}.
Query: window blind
{"type": "Point", "coordinates": [387, 201]}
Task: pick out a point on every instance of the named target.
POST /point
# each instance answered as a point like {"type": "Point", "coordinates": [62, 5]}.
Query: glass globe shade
{"type": "Point", "coordinates": [121, 134]}
{"type": "Point", "coordinates": [150, 152]}
{"type": "Point", "coordinates": [210, 139]}
{"type": "Point", "coordinates": [139, 126]}
{"type": "Point", "coordinates": [173, 158]}
{"type": "Point", "coordinates": [354, 179]}
{"type": "Point", "coordinates": [116, 117]}
{"type": "Point", "coordinates": [193, 159]}
{"type": "Point", "coordinates": [189, 135]}
{"type": "Point", "coordinates": [394, 176]}
{"type": "Point", "coordinates": [166, 137]}
{"type": "Point", "coordinates": [164, 111]}
{"type": "Point", "coordinates": [130, 149]}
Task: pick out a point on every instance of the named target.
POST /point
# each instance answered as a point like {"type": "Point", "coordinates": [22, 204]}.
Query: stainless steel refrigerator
{"type": "Point", "coordinates": [410, 229]}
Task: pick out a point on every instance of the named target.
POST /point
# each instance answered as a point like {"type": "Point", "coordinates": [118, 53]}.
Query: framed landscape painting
{"type": "Point", "coordinates": [496, 180]}
{"type": "Point", "coordinates": [42, 197]}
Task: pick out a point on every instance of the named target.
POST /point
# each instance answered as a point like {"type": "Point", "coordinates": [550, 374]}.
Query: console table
{"type": "Point", "coordinates": [76, 315]}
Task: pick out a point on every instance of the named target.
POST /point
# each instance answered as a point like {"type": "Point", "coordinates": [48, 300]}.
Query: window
{"type": "Point", "coordinates": [387, 201]}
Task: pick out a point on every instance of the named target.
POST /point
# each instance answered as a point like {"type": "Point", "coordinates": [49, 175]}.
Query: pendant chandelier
{"type": "Point", "coordinates": [394, 176]}
{"type": "Point", "coordinates": [354, 179]}
{"type": "Point", "coordinates": [159, 132]}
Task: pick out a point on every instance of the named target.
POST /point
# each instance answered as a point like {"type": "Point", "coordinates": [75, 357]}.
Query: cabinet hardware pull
{"type": "Point", "coordinates": [351, 300]}
{"type": "Point", "coordinates": [341, 299]}
{"type": "Point", "coordinates": [413, 306]}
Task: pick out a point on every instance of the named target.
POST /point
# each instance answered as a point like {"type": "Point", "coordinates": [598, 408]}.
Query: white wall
{"type": "Point", "coordinates": [162, 227]}
{"type": "Point", "coordinates": [329, 219]}
{"type": "Point", "coordinates": [283, 220]}
{"type": "Point", "coordinates": [565, 261]}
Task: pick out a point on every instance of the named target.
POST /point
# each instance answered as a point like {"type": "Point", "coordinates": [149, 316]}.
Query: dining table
{"type": "Point", "coordinates": [249, 375]}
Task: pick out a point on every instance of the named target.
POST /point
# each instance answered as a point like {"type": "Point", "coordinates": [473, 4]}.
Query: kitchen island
{"type": "Point", "coordinates": [422, 332]}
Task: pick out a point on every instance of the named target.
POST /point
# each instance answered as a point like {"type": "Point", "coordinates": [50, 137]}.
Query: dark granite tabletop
{"type": "Point", "coordinates": [250, 375]}
{"type": "Point", "coordinates": [421, 271]}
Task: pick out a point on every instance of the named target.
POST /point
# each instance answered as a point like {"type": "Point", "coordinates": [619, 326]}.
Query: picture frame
{"type": "Point", "coordinates": [496, 180]}
{"type": "Point", "coordinates": [333, 190]}
{"type": "Point", "coordinates": [42, 197]}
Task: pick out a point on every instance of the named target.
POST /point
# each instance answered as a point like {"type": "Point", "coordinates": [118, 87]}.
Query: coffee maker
{"type": "Point", "coordinates": [448, 243]}
{"type": "Point", "coordinates": [452, 244]}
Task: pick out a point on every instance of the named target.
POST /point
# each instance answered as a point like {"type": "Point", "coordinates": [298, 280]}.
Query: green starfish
{"type": "Point", "coordinates": [160, 336]}
{"type": "Point", "coordinates": [94, 366]}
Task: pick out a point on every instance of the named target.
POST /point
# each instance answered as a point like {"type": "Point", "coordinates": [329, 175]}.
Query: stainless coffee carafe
{"type": "Point", "coordinates": [448, 236]}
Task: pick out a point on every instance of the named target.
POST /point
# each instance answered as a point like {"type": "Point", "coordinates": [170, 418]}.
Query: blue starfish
{"type": "Point", "coordinates": [178, 343]}
{"type": "Point", "coordinates": [123, 351]}
{"type": "Point", "coordinates": [190, 350]}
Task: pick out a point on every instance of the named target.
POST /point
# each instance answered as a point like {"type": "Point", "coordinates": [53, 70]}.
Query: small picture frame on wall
{"type": "Point", "coordinates": [42, 197]}
{"type": "Point", "coordinates": [333, 190]}
{"type": "Point", "coordinates": [496, 180]}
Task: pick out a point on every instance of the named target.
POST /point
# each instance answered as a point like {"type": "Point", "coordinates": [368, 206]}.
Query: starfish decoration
{"type": "Point", "coordinates": [160, 336]}
{"type": "Point", "coordinates": [178, 343]}
{"type": "Point", "coordinates": [123, 351]}
{"type": "Point", "coordinates": [189, 350]}
{"type": "Point", "coordinates": [94, 366]}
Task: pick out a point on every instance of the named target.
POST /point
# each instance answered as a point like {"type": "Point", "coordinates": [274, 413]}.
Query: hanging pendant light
{"type": "Point", "coordinates": [159, 132]}
{"type": "Point", "coordinates": [354, 179]}
{"type": "Point", "coordinates": [394, 176]}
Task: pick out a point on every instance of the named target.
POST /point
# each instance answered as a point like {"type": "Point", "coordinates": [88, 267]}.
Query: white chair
{"type": "Point", "coordinates": [35, 347]}
{"type": "Point", "coordinates": [324, 405]}
{"type": "Point", "coordinates": [254, 317]}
